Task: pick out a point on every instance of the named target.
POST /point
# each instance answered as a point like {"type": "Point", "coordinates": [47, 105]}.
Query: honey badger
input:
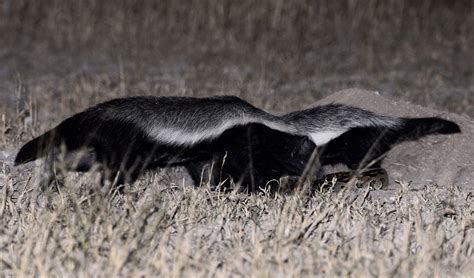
{"type": "Point", "coordinates": [126, 136]}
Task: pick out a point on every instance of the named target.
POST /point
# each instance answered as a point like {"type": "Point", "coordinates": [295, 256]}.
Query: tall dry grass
{"type": "Point", "coordinates": [301, 24]}
{"type": "Point", "coordinates": [177, 230]}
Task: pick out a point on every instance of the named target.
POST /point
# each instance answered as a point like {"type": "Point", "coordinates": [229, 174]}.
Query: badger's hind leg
{"type": "Point", "coordinates": [48, 176]}
{"type": "Point", "coordinates": [58, 162]}
{"type": "Point", "coordinates": [82, 160]}
{"type": "Point", "coordinates": [200, 171]}
{"type": "Point", "coordinates": [120, 171]}
{"type": "Point", "coordinates": [209, 172]}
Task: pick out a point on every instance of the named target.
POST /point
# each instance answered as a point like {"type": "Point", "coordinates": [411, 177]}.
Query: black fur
{"type": "Point", "coordinates": [254, 154]}
{"type": "Point", "coordinates": [124, 150]}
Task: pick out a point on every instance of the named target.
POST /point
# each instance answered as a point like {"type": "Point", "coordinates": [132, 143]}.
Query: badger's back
{"type": "Point", "coordinates": [357, 137]}
{"type": "Point", "coordinates": [170, 121]}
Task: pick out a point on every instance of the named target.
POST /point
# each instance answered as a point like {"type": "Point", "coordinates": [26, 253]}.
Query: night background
{"type": "Point", "coordinates": [265, 51]}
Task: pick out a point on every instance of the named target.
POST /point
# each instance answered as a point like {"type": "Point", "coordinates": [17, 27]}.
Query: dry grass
{"type": "Point", "coordinates": [177, 230]}
{"type": "Point", "coordinates": [300, 23]}
{"type": "Point", "coordinates": [58, 57]}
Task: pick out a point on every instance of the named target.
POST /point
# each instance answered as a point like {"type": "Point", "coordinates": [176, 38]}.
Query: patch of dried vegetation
{"type": "Point", "coordinates": [175, 229]}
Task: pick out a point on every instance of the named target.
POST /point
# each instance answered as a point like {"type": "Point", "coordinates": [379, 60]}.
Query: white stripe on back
{"type": "Point", "coordinates": [322, 137]}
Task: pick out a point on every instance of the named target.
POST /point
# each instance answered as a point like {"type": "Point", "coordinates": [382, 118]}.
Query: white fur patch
{"type": "Point", "coordinates": [323, 137]}
{"type": "Point", "coordinates": [177, 136]}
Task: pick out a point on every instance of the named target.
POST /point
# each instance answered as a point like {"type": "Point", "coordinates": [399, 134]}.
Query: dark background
{"type": "Point", "coordinates": [61, 56]}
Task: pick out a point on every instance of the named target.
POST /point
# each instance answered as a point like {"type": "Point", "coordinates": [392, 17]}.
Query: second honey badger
{"type": "Point", "coordinates": [255, 154]}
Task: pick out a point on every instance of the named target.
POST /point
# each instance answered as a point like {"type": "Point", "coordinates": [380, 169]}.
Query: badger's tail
{"type": "Point", "coordinates": [65, 133]}
{"type": "Point", "coordinates": [360, 145]}
{"type": "Point", "coordinates": [415, 128]}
